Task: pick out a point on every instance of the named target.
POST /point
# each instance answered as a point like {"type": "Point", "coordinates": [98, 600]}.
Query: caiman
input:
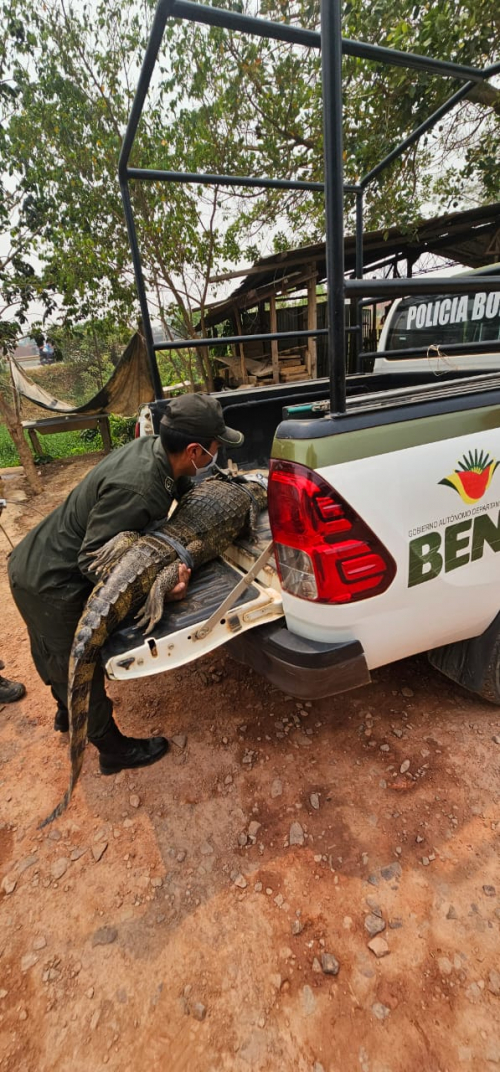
{"type": "Point", "coordinates": [142, 568]}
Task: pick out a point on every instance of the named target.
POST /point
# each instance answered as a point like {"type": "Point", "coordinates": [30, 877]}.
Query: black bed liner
{"type": "Point", "coordinates": [208, 588]}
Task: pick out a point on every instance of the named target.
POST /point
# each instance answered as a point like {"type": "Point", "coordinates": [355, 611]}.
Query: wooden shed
{"type": "Point", "coordinates": [287, 292]}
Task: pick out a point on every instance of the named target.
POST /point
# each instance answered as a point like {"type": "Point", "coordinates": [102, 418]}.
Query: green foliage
{"type": "Point", "coordinates": [219, 102]}
{"type": "Point", "coordinates": [87, 435]}
{"type": "Point", "coordinates": [89, 347]}
{"type": "Point", "coordinates": [20, 283]}
{"type": "Point", "coordinates": [69, 382]}
{"type": "Point", "coordinates": [122, 429]}
{"type": "Point", "coordinates": [8, 452]}
{"type": "Point", "coordinates": [274, 94]}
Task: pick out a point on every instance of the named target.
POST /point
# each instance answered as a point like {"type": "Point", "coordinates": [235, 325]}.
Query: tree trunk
{"type": "Point", "coordinates": [14, 428]}
{"type": "Point", "coordinates": [98, 357]}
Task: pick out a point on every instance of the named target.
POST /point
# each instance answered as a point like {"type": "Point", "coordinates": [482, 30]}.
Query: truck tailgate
{"type": "Point", "coordinates": [175, 640]}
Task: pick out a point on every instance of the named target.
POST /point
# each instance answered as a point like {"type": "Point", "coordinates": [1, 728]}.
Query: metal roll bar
{"type": "Point", "coordinates": [332, 46]}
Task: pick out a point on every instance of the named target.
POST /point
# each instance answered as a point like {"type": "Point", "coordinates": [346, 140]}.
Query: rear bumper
{"type": "Point", "coordinates": [303, 668]}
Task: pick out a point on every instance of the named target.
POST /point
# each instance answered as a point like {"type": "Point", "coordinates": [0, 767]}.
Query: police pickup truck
{"type": "Point", "coordinates": [385, 527]}
{"type": "Point", "coordinates": [459, 333]}
{"type": "Point", "coordinates": [384, 491]}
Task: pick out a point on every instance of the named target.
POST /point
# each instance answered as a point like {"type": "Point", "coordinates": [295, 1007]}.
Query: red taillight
{"type": "Point", "coordinates": [324, 551]}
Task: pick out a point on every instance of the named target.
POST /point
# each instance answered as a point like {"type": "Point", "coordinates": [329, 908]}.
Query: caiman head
{"type": "Point", "coordinates": [256, 486]}
{"type": "Point", "coordinates": [258, 489]}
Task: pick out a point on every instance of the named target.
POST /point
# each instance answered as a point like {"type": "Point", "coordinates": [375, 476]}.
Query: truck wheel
{"type": "Point", "coordinates": [474, 664]}
{"type": "Point", "coordinates": [490, 688]}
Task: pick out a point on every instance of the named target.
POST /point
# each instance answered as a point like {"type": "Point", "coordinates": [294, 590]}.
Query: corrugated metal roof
{"type": "Point", "coordinates": [471, 238]}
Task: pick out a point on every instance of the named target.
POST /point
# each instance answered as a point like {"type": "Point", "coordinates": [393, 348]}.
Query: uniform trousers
{"type": "Point", "coordinates": [51, 624]}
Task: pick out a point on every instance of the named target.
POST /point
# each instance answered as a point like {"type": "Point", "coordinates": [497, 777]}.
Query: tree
{"type": "Point", "coordinates": [90, 349]}
{"type": "Point", "coordinates": [65, 139]}
{"type": "Point", "coordinates": [280, 115]}
{"type": "Point", "coordinates": [20, 285]}
{"type": "Point", "coordinates": [9, 410]}
{"type": "Point", "coordinates": [221, 102]}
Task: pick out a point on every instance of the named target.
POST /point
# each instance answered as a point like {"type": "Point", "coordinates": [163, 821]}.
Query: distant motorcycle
{"type": "Point", "coordinates": [47, 354]}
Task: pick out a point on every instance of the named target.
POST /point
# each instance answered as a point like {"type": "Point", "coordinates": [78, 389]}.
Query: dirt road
{"type": "Point", "coordinates": [215, 913]}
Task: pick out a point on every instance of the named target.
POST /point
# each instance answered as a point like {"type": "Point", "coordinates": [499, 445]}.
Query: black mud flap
{"type": "Point", "coordinates": [303, 668]}
{"type": "Point", "coordinates": [466, 661]}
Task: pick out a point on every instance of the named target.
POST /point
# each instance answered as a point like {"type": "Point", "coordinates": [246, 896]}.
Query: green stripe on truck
{"type": "Point", "coordinates": [385, 439]}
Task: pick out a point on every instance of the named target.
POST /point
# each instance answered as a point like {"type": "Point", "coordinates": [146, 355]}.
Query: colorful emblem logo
{"type": "Point", "coordinates": [473, 476]}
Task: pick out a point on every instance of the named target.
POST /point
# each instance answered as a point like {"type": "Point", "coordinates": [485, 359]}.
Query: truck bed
{"type": "Point", "coordinates": [258, 411]}
{"type": "Point", "coordinates": [129, 654]}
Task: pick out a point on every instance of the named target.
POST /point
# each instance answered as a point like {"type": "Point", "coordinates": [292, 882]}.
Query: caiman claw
{"type": "Point", "coordinates": [108, 555]}
{"type": "Point", "coordinates": [170, 585]}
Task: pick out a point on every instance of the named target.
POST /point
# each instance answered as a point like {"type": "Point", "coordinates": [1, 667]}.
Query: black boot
{"type": "Point", "coordinates": [117, 752]}
{"type": "Point", "coordinates": [61, 721]}
{"type": "Point", "coordinates": [10, 691]}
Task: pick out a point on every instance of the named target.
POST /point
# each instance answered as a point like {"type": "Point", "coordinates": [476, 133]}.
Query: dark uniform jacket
{"type": "Point", "coordinates": [130, 489]}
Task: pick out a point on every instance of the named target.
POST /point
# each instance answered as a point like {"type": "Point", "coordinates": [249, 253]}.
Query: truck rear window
{"type": "Point", "coordinates": [440, 320]}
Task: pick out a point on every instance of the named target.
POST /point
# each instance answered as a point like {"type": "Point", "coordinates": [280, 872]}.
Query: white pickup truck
{"type": "Point", "coordinates": [459, 333]}
{"type": "Point", "coordinates": [386, 527]}
{"type": "Point", "coordinates": [384, 491]}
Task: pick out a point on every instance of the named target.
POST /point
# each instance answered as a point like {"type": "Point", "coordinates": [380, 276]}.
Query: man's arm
{"type": "Point", "coordinates": [117, 510]}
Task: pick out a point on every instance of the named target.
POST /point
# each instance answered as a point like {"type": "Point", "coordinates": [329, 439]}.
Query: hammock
{"type": "Point", "coordinates": [128, 387]}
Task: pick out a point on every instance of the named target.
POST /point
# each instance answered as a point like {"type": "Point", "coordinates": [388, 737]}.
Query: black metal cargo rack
{"type": "Point", "coordinates": [332, 45]}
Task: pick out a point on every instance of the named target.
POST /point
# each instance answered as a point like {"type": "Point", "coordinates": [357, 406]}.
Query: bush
{"type": "Point", "coordinates": [122, 429]}
{"type": "Point", "coordinates": [87, 435]}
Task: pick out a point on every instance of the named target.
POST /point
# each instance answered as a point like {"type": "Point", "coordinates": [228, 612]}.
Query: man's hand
{"type": "Point", "coordinates": [161, 592]}
{"type": "Point", "coordinates": [181, 587]}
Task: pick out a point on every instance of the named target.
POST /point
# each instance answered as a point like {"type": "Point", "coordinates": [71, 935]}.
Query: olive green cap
{"type": "Point", "coordinates": [200, 415]}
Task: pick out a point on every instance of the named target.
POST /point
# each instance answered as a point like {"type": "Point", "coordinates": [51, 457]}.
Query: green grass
{"type": "Point", "coordinates": [66, 444]}
{"type": "Point", "coordinates": [8, 452]}
{"type": "Point", "coordinates": [61, 445]}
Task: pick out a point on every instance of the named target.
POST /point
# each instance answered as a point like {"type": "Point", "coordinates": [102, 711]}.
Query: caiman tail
{"type": "Point", "coordinates": [110, 602]}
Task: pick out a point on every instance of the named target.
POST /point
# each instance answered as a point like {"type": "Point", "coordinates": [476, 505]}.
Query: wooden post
{"type": "Point", "coordinates": [312, 322]}
{"type": "Point", "coordinates": [35, 442]}
{"type": "Point", "coordinates": [273, 324]}
{"type": "Point", "coordinates": [104, 429]}
{"type": "Point", "coordinates": [239, 331]}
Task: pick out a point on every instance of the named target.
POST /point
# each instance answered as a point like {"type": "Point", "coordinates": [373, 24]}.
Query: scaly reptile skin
{"type": "Point", "coordinates": [136, 568]}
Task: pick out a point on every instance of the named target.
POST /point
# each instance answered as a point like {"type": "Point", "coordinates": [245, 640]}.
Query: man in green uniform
{"type": "Point", "coordinates": [51, 573]}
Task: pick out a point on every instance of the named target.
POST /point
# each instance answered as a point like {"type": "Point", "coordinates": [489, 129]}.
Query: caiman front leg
{"type": "Point", "coordinates": [108, 555]}
{"type": "Point", "coordinates": [162, 588]}
{"type": "Point", "coordinates": [152, 610]}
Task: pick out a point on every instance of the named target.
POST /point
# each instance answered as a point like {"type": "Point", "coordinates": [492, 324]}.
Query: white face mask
{"type": "Point", "coordinates": [203, 470]}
